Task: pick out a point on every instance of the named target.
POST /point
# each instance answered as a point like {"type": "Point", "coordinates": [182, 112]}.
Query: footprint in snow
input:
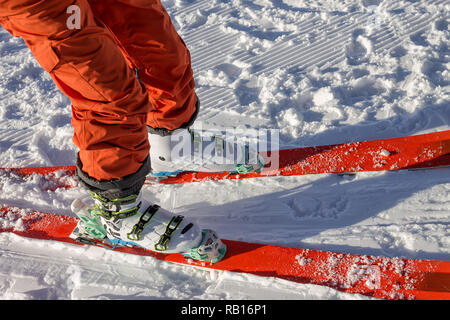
{"type": "Point", "coordinates": [359, 48]}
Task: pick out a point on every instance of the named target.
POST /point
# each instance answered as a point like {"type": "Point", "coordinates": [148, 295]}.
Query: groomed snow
{"type": "Point", "coordinates": [322, 72]}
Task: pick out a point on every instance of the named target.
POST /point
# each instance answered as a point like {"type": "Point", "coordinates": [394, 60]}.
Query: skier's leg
{"type": "Point", "coordinates": [109, 105]}
{"type": "Point", "coordinates": [153, 47]}
{"type": "Point", "coordinates": [109, 116]}
{"type": "Point", "coordinates": [163, 63]}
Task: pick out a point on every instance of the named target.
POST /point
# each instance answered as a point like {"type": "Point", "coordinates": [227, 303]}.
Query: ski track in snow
{"type": "Point", "coordinates": [322, 72]}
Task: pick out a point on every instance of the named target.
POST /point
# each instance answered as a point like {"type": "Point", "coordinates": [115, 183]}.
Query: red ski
{"type": "Point", "coordinates": [380, 277]}
{"type": "Point", "coordinates": [412, 152]}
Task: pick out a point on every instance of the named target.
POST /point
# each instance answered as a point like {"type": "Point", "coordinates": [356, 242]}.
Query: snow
{"type": "Point", "coordinates": [322, 72]}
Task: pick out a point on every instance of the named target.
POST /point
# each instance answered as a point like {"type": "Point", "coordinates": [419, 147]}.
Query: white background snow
{"type": "Point", "coordinates": [323, 72]}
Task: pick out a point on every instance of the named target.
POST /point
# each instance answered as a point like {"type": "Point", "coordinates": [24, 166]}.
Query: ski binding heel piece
{"type": "Point", "coordinates": [90, 222]}
{"type": "Point", "coordinates": [82, 236]}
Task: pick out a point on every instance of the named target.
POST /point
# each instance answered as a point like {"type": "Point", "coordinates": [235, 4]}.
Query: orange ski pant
{"type": "Point", "coordinates": [93, 50]}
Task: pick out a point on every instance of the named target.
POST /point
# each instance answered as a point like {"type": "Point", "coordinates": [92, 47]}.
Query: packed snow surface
{"type": "Point", "coordinates": [322, 72]}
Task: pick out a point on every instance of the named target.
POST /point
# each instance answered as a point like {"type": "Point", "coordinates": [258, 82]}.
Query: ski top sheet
{"type": "Point", "coordinates": [379, 277]}
{"type": "Point", "coordinates": [406, 153]}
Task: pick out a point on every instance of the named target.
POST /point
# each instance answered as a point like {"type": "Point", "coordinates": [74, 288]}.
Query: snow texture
{"type": "Point", "coordinates": [321, 72]}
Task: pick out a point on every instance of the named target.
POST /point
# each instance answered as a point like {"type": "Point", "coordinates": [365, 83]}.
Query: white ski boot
{"type": "Point", "coordinates": [188, 150]}
{"type": "Point", "coordinates": [133, 221]}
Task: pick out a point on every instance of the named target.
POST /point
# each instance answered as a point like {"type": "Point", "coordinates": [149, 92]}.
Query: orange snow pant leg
{"type": "Point", "coordinates": [151, 44]}
{"type": "Point", "coordinates": [109, 105]}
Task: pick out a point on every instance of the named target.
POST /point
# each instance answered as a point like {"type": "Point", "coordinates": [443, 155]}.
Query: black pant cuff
{"type": "Point", "coordinates": [117, 188]}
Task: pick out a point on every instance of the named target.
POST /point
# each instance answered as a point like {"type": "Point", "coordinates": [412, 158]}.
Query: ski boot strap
{"type": "Point", "coordinates": [119, 208]}
{"type": "Point", "coordinates": [172, 226]}
{"type": "Point", "coordinates": [145, 218]}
